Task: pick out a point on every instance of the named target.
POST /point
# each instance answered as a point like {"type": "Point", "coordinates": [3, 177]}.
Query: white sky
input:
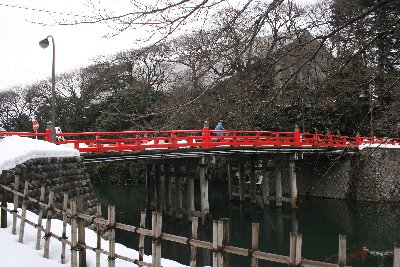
{"type": "Point", "coordinates": [21, 58]}
{"type": "Point", "coordinates": [22, 61]}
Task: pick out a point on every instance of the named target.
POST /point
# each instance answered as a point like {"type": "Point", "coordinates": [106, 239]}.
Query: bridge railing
{"type": "Point", "coordinates": [100, 142]}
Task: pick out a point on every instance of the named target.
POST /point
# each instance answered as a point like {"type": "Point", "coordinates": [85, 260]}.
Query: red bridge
{"type": "Point", "coordinates": [101, 142]}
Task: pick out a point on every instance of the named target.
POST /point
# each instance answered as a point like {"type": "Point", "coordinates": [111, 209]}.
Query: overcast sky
{"type": "Point", "coordinates": [22, 61]}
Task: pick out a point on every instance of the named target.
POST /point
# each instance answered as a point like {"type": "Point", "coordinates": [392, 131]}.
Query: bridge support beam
{"type": "Point", "coordinates": [241, 181]}
{"type": "Point", "coordinates": [265, 183]}
{"type": "Point", "coordinates": [178, 191]}
{"type": "Point", "coordinates": [230, 180]}
{"type": "Point", "coordinates": [205, 206]}
{"type": "Point", "coordinates": [293, 180]}
{"type": "Point", "coordinates": [253, 184]}
{"type": "Point", "coordinates": [278, 185]}
{"type": "Point", "coordinates": [167, 183]}
{"type": "Point", "coordinates": [190, 191]}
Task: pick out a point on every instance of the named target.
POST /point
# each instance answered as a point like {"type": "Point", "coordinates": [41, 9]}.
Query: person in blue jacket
{"type": "Point", "coordinates": [219, 127]}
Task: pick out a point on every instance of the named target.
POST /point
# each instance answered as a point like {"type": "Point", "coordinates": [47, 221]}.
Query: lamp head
{"type": "Point", "coordinates": [363, 95]}
{"type": "Point", "coordinates": [44, 43]}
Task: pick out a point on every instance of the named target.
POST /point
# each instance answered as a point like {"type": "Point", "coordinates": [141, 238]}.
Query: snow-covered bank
{"type": "Point", "coordinates": [15, 150]}
{"type": "Point", "coordinates": [15, 254]}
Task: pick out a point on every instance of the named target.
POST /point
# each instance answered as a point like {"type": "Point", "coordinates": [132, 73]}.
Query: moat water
{"type": "Point", "coordinates": [371, 228]}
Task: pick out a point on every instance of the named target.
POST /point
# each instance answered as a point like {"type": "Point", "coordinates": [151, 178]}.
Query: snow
{"type": "Point", "coordinates": [361, 147]}
{"type": "Point", "coordinates": [15, 150]}
{"type": "Point", "coordinates": [15, 254]}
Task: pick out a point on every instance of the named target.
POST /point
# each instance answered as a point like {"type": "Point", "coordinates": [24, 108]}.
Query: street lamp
{"type": "Point", "coordinates": [370, 105]}
{"type": "Point", "coordinates": [44, 44]}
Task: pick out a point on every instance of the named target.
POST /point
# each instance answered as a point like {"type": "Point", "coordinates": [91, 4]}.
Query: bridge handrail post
{"type": "Point", "coordinates": [48, 135]}
{"type": "Point", "coordinates": [206, 136]}
{"type": "Point", "coordinates": [358, 140]}
{"type": "Point", "coordinates": [297, 137]}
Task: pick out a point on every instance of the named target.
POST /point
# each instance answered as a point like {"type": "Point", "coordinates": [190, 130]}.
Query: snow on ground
{"type": "Point", "coordinates": [15, 150]}
{"type": "Point", "coordinates": [15, 254]}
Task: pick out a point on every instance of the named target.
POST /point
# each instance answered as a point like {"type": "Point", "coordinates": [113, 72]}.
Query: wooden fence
{"type": "Point", "coordinates": [74, 214]}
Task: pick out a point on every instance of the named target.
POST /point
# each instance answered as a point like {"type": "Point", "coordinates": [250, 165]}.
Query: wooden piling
{"type": "Point", "coordinates": [265, 183]}
{"type": "Point", "coordinates": [241, 181]}
{"type": "Point", "coordinates": [342, 251]}
{"type": "Point", "coordinates": [23, 213]}
{"type": "Point", "coordinates": [230, 180]}
{"type": "Point", "coordinates": [168, 196]}
{"type": "Point", "coordinates": [157, 179]}
{"type": "Point", "coordinates": [16, 198]}
{"type": "Point", "coordinates": [47, 235]}
{"type": "Point", "coordinates": [74, 233]}
{"type": "Point", "coordinates": [278, 185]}
{"type": "Point", "coordinates": [98, 232]}
{"type": "Point", "coordinates": [40, 218]}
{"type": "Point", "coordinates": [205, 206]}
{"type": "Point", "coordinates": [141, 236]}
{"type": "Point", "coordinates": [178, 191]}
{"type": "Point", "coordinates": [215, 243]}
{"type": "Point", "coordinates": [81, 233]}
{"type": "Point", "coordinates": [396, 255]}
{"type": "Point", "coordinates": [253, 181]}
{"type": "Point", "coordinates": [292, 252]}
{"type": "Point", "coordinates": [293, 182]}
{"type": "Point", "coordinates": [4, 200]}
{"type": "Point", "coordinates": [190, 192]}
{"type": "Point", "coordinates": [111, 236]}
{"type": "Point", "coordinates": [148, 185]}
{"type": "Point", "coordinates": [64, 229]}
{"type": "Point", "coordinates": [193, 249]}
{"type": "Point", "coordinates": [255, 229]}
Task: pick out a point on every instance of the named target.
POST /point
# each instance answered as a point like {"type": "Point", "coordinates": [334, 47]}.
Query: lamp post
{"type": "Point", "coordinates": [371, 107]}
{"type": "Point", "coordinates": [44, 44]}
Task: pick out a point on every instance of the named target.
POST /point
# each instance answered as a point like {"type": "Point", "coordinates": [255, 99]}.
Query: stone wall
{"type": "Point", "coordinates": [372, 174]}
{"type": "Point", "coordinates": [63, 175]}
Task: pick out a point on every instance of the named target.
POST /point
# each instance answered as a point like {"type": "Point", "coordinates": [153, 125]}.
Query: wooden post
{"type": "Point", "coordinates": [193, 249]}
{"type": "Point", "coordinates": [178, 191]}
{"type": "Point", "coordinates": [226, 238]}
{"type": "Point", "coordinates": [253, 181]}
{"type": "Point", "coordinates": [215, 243]}
{"type": "Point", "coordinates": [299, 243]}
{"type": "Point", "coordinates": [47, 235]}
{"type": "Point", "coordinates": [148, 184]}
{"type": "Point", "coordinates": [81, 233]}
{"type": "Point", "coordinates": [396, 255]}
{"type": "Point", "coordinates": [293, 181]}
{"type": "Point", "coordinates": [278, 185]}
{"type": "Point", "coordinates": [265, 183]}
{"type": "Point", "coordinates": [74, 238]}
{"type": "Point", "coordinates": [40, 218]}
{"type": "Point", "coordinates": [221, 243]}
{"type": "Point", "coordinates": [156, 233]}
{"type": "Point", "coordinates": [168, 197]}
{"type": "Point", "coordinates": [255, 229]}
{"type": "Point", "coordinates": [141, 237]}
{"type": "Point", "coordinates": [292, 253]}
{"type": "Point", "coordinates": [190, 192]}
{"type": "Point", "coordinates": [64, 231]}
{"type": "Point", "coordinates": [230, 180]}
{"type": "Point", "coordinates": [23, 213]}
{"type": "Point", "coordinates": [111, 236]}
{"type": "Point", "coordinates": [342, 251]}
{"type": "Point", "coordinates": [4, 194]}
{"type": "Point", "coordinates": [295, 222]}
{"type": "Point", "coordinates": [205, 207]}
{"type": "Point", "coordinates": [241, 181]}
{"type": "Point", "coordinates": [16, 198]}
{"type": "Point", "coordinates": [98, 230]}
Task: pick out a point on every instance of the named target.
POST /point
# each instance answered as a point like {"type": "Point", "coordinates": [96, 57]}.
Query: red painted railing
{"type": "Point", "coordinates": [100, 142]}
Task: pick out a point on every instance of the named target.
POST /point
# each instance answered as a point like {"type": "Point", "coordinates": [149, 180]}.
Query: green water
{"type": "Point", "coordinates": [371, 225]}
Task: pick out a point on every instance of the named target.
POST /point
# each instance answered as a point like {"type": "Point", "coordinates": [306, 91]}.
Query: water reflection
{"type": "Point", "coordinates": [370, 225]}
